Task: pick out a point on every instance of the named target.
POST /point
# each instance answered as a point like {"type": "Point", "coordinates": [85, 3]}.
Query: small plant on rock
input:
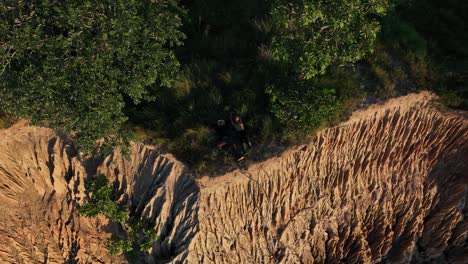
{"type": "Point", "coordinates": [138, 237]}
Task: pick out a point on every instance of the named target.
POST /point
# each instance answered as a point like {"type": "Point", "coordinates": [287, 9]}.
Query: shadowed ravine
{"type": "Point", "coordinates": [390, 185]}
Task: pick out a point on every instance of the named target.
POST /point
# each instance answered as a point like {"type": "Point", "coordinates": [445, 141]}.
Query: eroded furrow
{"type": "Point", "coordinates": [388, 186]}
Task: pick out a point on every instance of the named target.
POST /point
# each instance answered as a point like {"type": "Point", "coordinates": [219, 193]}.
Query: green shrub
{"type": "Point", "coordinates": [386, 86]}
{"type": "Point", "coordinates": [308, 38]}
{"type": "Point", "coordinates": [453, 90]}
{"type": "Point", "coordinates": [137, 236]}
{"type": "Point", "coordinates": [422, 71]}
{"type": "Point", "coordinates": [303, 105]}
{"type": "Point", "coordinates": [410, 49]}
{"type": "Point", "coordinates": [307, 104]}
{"type": "Point", "coordinates": [117, 246]}
{"type": "Point", "coordinates": [99, 200]}
{"type": "Point", "coordinates": [349, 91]}
{"type": "Point", "coordinates": [451, 98]}
{"type": "Point", "coordinates": [137, 239]}
{"type": "Point", "coordinates": [443, 24]}
{"type": "Point", "coordinates": [444, 28]}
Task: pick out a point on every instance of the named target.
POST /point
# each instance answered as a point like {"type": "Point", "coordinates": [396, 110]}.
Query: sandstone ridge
{"type": "Point", "coordinates": [389, 185]}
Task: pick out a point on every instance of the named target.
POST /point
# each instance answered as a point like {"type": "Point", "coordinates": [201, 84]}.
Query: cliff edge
{"type": "Point", "coordinates": [389, 185]}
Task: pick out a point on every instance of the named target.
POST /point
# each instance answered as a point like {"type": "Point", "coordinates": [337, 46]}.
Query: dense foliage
{"type": "Point", "coordinates": [309, 37]}
{"type": "Point", "coordinates": [137, 237]}
{"type": "Point", "coordinates": [228, 67]}
{"type": "Point", "coordinates": [306, 104]}
{"type": "Point", "coordinates": [223, 71]}
{"type": "Point", "coordinates": [99, 69]}
{"type": "Point", "coordinates": [100, 201]}
{"type": "Point", "coordinates": [74, 64]}
{"type": "Point", "coordinates": [442, 24]}
{"type": "Point", "coordinates": [422, 46]}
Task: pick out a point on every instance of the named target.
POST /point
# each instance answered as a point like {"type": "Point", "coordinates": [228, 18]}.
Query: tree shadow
{"type": "Point", "coordinates": [441, 240]}
{"type": "Point", "coordinates": [449, 175]}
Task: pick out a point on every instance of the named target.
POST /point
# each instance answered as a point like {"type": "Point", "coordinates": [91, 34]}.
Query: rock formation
{"type": "Point", "coordinates": [42, 181]}
{"type": "Point", "coordinates": [390, 185]}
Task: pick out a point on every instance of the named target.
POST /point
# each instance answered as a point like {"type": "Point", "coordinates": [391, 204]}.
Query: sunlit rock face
{"type": "Point", "coordinates": [390, 185]}
{"type": "Point", "coordinates": [42, 183]}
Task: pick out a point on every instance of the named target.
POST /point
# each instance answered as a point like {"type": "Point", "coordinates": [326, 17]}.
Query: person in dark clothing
{"type": "Point", "coordinates": [238, 125]}
{"type": "Point", "coordinates": [232, 136]}
{"type": "Point", "coordinates": [224, 134]}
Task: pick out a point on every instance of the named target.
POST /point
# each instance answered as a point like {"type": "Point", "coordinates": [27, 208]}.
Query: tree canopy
{"type": "Point", "coordinates": [311, 35]}
{"type": "Point", "coordinates": [74, 64]}
{"type": "Point", "coordinates": [100, 69]}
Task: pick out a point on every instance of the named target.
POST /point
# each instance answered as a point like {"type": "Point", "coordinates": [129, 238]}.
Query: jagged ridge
{"type": "Point", "coordinates": [389, 185]}
{"type": "Point", "coordinates": [42, 182]}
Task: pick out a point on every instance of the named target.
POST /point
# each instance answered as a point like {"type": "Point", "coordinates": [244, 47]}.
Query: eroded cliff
{"type": "Point", "coordinates": [42, 182]}
{"type": "Point", "coordinates": [389, 185]}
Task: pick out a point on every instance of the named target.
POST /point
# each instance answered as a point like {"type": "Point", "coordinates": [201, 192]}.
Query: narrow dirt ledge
{"type": "Point", "coordinates": [389, 185]}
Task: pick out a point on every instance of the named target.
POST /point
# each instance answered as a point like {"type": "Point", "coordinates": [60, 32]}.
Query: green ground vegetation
{"type": "Point", "coordinates": [422, 46]}
{"type": "Point", "coordinates": [233, 61]}
{"type": "Point", "coordinates": [168, 70]}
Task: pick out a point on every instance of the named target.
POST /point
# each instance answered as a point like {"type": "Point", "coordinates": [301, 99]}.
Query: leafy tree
{"type": "Point", "coordinates": [311, 35]}
{"type": "Point", "coordinates": [75, 64]}
{"type": "Point", "coordinates": [303, 104]}
{"type": "Point", "coordinates": [442, 24]}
